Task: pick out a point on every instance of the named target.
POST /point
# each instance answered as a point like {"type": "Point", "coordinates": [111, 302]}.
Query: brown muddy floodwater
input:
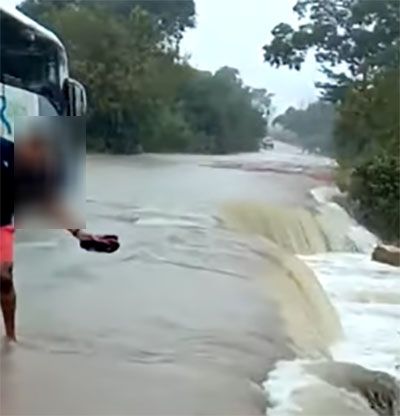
{"type": "Point", "coordinates": [183, 320]}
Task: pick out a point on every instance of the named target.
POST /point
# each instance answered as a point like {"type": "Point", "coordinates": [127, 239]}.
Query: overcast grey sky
{"type": "Point", "coordinates": [232, 32]}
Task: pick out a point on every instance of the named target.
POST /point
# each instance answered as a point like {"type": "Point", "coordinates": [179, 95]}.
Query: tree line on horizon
{"type": "Point", "coordinates": [143, 94]}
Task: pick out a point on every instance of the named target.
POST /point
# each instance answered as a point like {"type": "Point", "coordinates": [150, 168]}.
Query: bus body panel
{"type": "Point", "coordinates": [15, 102]}
{"type": "Point", "coordinates": [40, 87]}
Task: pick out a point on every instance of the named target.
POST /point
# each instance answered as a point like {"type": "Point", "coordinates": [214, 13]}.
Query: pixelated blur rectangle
{"type": "Point", "coordinates": [49, 172]}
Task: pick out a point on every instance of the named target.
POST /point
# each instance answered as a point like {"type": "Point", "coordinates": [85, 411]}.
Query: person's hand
{"type": "Point", "coordinates": [98, 243]}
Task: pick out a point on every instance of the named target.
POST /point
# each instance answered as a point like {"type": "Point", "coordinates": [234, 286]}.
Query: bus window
{"type": "Point", "coordinates": [29, 61]}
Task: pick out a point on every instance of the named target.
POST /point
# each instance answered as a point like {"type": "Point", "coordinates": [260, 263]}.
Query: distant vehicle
{"type": "Point", "coordinates": [34, 76]}
{"type": "Point", "coordinates": [267, 143]}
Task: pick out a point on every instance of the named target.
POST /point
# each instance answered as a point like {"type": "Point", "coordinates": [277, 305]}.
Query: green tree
{"type": "Point", "coordinates": [222, 109]}
{"type": "Point", "coordinates": [375, 190]}
{"type": "Point", "coordinates": [367, 139]}
{"type": "Point", "coordinates": [142, 93]}
{"type": "Point", "coordinates": [368, 121]}
{"type": "Point", "coordinates": [313, 126]}
{"type": "Point", "coordinates": [361, 35]}
{"type": "Point", "coordinates": [117, 98]}
{"type": "Point", "coordinates": [172, 17]}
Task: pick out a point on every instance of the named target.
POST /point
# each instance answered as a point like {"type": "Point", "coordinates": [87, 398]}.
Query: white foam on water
{"type": "Point", "coordinates": [341, 230]}
{"type": "Point", "coordinates": [324, 194]}
{"type": "Point", "coordinates": [292, 391]}
{"type": "Point", "coordinates": [282, 383]}
{"type": "Point", "coordinates": [366, 295]}
{"type": "Point", "coordinates": [364, 240]}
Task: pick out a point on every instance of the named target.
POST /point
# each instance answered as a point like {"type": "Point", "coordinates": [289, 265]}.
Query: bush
{"type": "Point", "coordinates": [167, 131]}
{"type": "Point", "coordinates": [375, 189]}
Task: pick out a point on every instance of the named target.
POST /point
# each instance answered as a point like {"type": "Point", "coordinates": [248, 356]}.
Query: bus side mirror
{"type": "Point", "coordinates": [76, 104]}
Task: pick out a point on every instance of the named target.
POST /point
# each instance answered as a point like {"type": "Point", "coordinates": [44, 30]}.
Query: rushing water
{"type": "Point", "coordinates": [366, 296]}
{"type": "Point", "coordinates": [206, 299]}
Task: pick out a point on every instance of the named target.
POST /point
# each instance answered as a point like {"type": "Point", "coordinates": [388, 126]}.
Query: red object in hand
{"type": "Point", "coordinates": [100, 243]}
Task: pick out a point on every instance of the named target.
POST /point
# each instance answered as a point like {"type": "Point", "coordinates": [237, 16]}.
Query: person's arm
{"type": "Point", "coordinates": [90, 242]}
{"type": "Point", "coordinates": [62, 216]}
{"type": "Point", "coordinates": [79, 233]}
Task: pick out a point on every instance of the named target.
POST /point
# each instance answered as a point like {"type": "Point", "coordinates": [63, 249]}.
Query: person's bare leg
{"type": "Point", "coordinates": [8, 299]}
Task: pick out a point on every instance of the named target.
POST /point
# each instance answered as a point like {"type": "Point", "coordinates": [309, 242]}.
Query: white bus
{"type": "Point", "coordinates": [34, 77]}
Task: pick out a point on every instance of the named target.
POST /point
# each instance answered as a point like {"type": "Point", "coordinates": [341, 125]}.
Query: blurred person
{"type": "Point", "coordinates": [31, 174]}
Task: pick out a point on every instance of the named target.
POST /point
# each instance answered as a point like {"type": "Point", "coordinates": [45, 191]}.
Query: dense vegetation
{"type": "Point", "coordinates": [312, 127]}
{"type": "Point", "coordinates": [357, 43]}
{"type": "Point", "coordinates": [142, 92]}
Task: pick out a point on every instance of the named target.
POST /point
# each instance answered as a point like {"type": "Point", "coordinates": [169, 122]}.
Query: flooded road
{"type": "Point", "coordinates": [190, 315]}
